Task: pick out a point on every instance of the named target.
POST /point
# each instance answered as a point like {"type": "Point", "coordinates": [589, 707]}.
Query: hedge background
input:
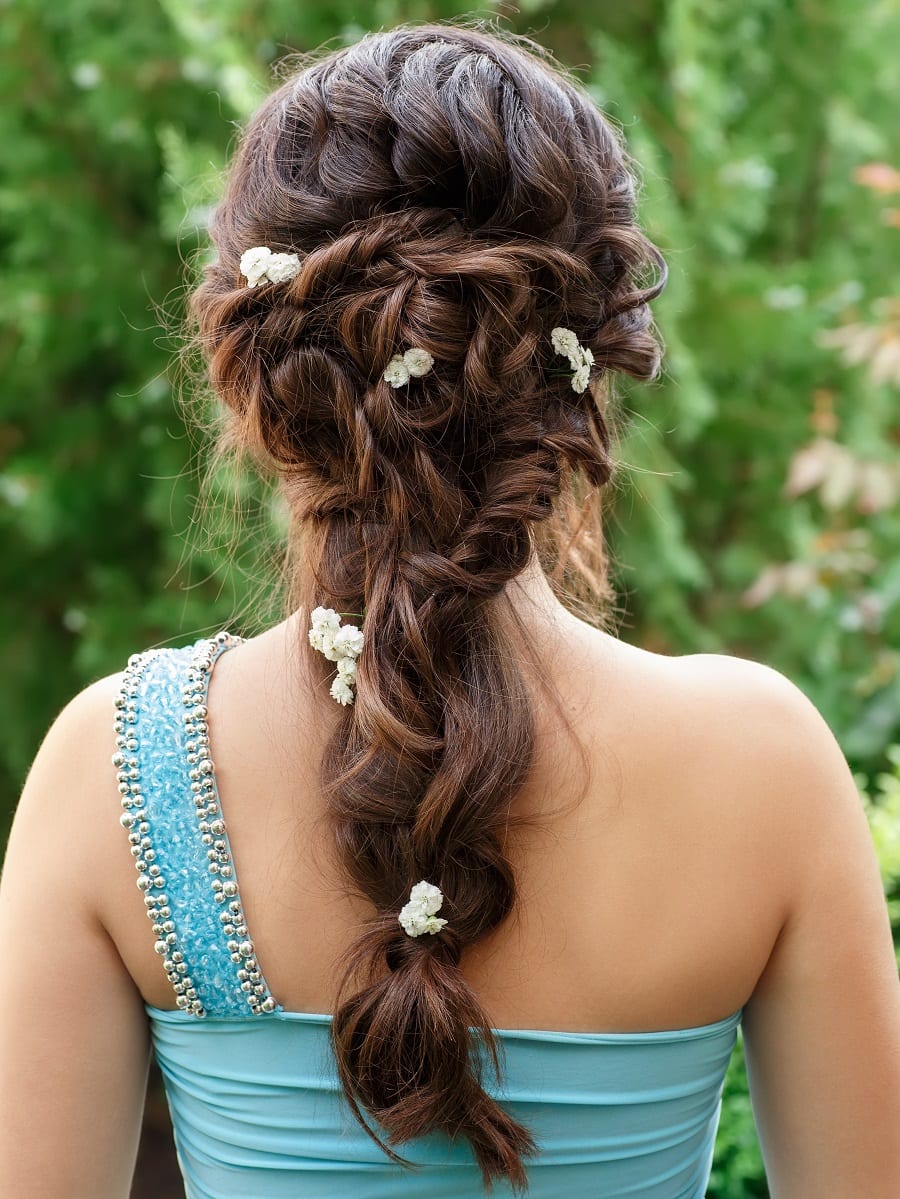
{"type": "Point", "coordinates": [759, 514]}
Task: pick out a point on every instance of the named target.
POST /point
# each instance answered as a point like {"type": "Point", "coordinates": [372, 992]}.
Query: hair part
{"type": "Point", "coordinates": [449, 189]}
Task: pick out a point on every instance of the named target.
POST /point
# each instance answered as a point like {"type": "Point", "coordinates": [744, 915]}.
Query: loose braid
{"type": "Point", "coordinates": [449, 190]}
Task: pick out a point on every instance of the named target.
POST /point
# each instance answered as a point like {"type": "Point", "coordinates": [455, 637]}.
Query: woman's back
{"type": "Point", "coordinates": [255, 1102]}
{"type": "Point", "coordinates": [639, 902]}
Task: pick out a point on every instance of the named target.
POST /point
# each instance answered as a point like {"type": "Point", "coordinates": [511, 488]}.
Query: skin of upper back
{"type": "Point", "coordinates": [714, 856]}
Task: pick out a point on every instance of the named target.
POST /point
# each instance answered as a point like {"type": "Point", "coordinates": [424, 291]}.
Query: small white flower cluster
{"type": "Point", "coordinates": [580, 357]}
{"type": "Point", "coordinates": [260, 265]}
{"type": "Point", "coordinates": [415, 362]}
{"type": "Point", "coordinates": [341, 643]}
{"type": "Point", "coordinates": [418, 916]}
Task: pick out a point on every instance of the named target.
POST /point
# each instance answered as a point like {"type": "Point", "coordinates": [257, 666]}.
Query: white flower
{"type": "Point", "coordinates": [346, 668]}
{"type": "Point", "coordinates": [581, 359]}
{"type": "Point", "coordinates": [341, 690]}
{"type": "Point", "coordinates": [283, 267]}
{"type": "Point", "coordinates": [418, 362]}
{"type": "Point", "coordinates": [414, 363]}
{"type": "Point", "coordinates": [254, 263]}
{"type": "Point", "coordinates": [325, 626]}
{"type": "Point", "coordinates": [260, 265]}
{"type": "Point", "coordinates": [326, 617]}
{"type": "Point", "coordinates": [428, 895]}
{"type": "Point", "coordinates": [564, 341]}
{"type": "Point", "coordinates": [418, 915]}
{"type": "Point", "coordinates": [580, 378]}
{"type": "Point", "coordinates": [340, 643]}
{"type": "Point", "coordinates": [397, 372]}
{"type": "Point", "coordinates": [348, 640]}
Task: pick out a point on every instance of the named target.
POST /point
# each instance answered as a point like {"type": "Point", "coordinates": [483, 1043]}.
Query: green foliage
{"type": "Point", "coordinates": [737, 1171]}
{"type": "Point", "coordinates": [882, 803]}
{"type": "Point", "coordinates": [757, 511]}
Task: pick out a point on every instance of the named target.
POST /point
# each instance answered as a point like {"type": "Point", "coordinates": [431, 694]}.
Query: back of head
{"type": "Point", "coordinates": [447, 190]}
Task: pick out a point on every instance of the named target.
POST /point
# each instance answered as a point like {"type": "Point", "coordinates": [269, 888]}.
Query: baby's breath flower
{"type": "Point", "coordinates": [581, 359]}
{"type": "Point", "coordinates": [260, 265]}
{"type": "Point", "coordinates": [564, 341]}
{"type": "Point", "coordinates": [254, 263]}
{"type": "Point", "coordinates": [580, 378]}
{"type": "Point", "coordinates": [414, 363]}
{"type": "Point", "coordinates": [346, 667]}
{"type": "Point", "coordinates": [348, 640]}
{"type": "Point", "coordinates": [341, 690]}
{"type": "Point", "coordinates": [418, 915]}
{"type": "Point", "coordinates": [397, 372]}
{"type": "Point", "coordinates": [340, 643]}
{"type": "Point", "coordinates": [418, 362]}
{"type": "Point", "coordinates": [283, 267]}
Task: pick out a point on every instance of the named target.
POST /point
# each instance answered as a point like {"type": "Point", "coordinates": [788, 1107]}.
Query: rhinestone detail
{"type": "Point", "coordinates": [211, 823]}
{"type": "Point", "coordinates": [135, 820]}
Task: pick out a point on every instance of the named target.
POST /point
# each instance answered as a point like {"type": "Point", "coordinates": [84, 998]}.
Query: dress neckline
{"type": "Point", "coordinates": [323, 1019]}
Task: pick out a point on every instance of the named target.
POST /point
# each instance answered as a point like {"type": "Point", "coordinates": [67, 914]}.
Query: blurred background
{"type": "Point", "coordinates": [758, 511]}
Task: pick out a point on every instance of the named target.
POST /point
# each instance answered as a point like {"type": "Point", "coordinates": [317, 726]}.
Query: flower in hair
{"type": "Point", "coordinates": [340, 643]}
{"type": "Point", "coordinates": [414, 363]}
{"type": "Point", "coordinates": [418, 915]}
{"type": "Point", "coordinates": [260, 265]}
{"type": "Point", "coordinates": [581, 359]}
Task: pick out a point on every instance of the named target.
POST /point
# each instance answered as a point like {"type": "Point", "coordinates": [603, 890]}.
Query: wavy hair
{"type": "Point", "coordinates": [448, 188]}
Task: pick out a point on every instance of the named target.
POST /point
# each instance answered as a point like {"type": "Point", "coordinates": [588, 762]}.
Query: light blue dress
{"type": "Point", "coordinates": [256, 1106]}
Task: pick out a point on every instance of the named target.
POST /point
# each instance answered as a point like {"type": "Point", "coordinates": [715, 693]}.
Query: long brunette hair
{"type": "Point", "coordinates": [450, 189]}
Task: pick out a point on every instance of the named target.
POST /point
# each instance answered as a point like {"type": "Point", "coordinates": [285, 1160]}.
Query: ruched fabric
{"type": "Point", "coordinates": [256, 1106]}
{"type": "Point", "coordinates": [258, 1113]}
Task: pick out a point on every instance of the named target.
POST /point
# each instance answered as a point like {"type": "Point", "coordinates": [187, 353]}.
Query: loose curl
{"type": "Point", "coordinates": [450, 189]}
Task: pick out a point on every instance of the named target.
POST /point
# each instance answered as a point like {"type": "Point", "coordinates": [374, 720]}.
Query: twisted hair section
{"type": "Point", "coordinates": [451, 190]}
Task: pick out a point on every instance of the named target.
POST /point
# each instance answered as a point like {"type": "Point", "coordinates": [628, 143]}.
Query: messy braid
{"type": "Point", "coordinates": [448, 189]}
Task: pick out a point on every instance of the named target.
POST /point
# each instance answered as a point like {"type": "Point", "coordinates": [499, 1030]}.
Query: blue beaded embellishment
{"type": "Point", "coordinates": [199, 777]}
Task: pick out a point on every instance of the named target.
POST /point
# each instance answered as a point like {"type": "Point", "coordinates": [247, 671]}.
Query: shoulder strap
{"type": "Point", "coordinates": [177, 832]}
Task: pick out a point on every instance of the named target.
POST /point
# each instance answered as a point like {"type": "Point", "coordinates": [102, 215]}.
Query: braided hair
{"type": "Point", "coordinates": [450, 189]}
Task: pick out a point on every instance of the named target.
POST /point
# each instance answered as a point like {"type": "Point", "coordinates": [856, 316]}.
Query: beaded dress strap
{"type": "Point", "coordinates": [177, 831]}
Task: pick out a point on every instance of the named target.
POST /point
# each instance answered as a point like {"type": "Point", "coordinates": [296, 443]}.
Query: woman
{"type": "Point", "coordinates": [518, 958]}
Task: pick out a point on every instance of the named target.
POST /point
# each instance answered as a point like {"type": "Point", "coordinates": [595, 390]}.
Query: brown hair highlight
{"type": "Point", "coordinates": [449, 189]}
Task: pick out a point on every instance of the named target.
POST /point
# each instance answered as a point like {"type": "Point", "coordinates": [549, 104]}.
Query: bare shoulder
{"type": "Point", "coordinates": [737, 685]}
{"type": "Point", "coordinates": [752, 747]}
{"type": "Point", "coordinates": [765, 722]}
{"type": "Point", "coordinates": [79, 740]}
{"type": "Point", "coordinates": [67, 811]}
{"type": "Point", "coordinates": [83, 728]}
{"type": "Point", "coordinates": [746, 710]}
